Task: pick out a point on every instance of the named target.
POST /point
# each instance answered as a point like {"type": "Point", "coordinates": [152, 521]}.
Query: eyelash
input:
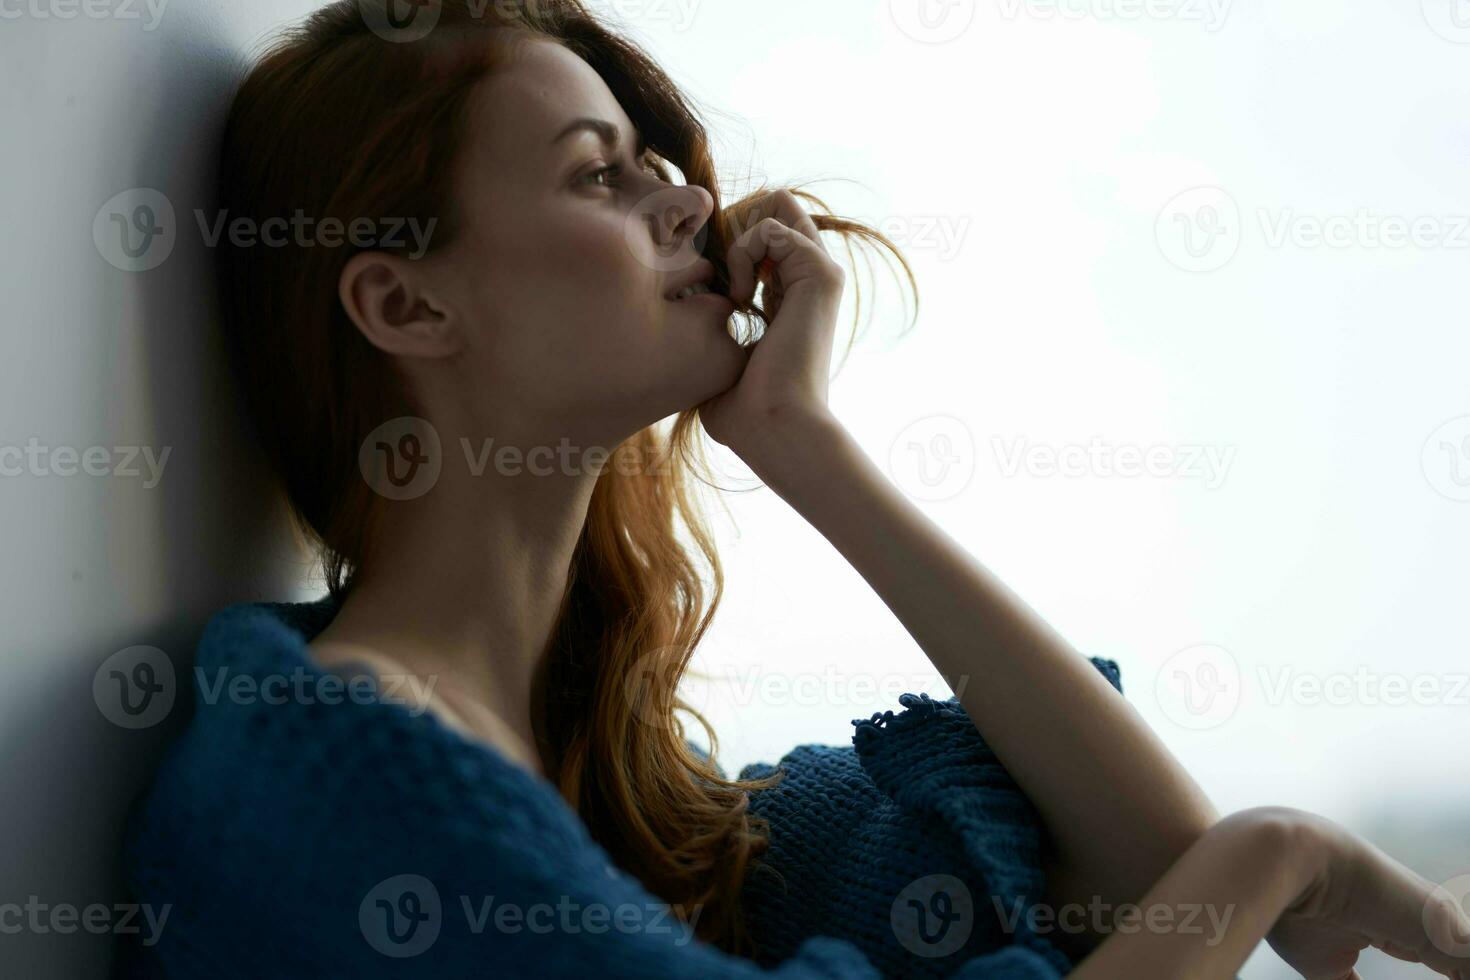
{"type": "Point", "coordinates": [616, 169]}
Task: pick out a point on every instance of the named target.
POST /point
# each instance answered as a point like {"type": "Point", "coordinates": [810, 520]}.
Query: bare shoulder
{"type": "Point", "coordinates": [424, 691]}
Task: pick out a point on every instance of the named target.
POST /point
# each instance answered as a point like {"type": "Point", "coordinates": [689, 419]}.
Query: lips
{"type": "Point", "coordinates": [698, 289]}
{"type": "Point", "coordinates": [702, 274]}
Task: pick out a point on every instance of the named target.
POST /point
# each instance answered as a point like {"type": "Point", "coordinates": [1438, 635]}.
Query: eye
{"type": "Point", "coordinates": [616, 170]}
{"type": "Point", "coordinates": [613, 170]}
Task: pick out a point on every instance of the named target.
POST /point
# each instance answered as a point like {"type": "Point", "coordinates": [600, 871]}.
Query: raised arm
{"type": "Point", "coordinates": [1119, 808]}
{"type": "Point", "coordinates": [1123, 815]}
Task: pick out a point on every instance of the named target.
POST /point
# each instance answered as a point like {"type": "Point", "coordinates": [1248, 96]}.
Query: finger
{"type": "Point", "coordinates": [766, 273]}
{"type": "Point", "coordinates": [1419, 921]}
{"type": "Point", "coordinates": [788, 208]}
{"type": "Point", "coordinates": [791, 211]}
{"type": "Point", "coordinates": [1444, 922]}
{"type": "Point", "coordinates": [796, 257]}
{"type": "Point", "coordinates": [783, 205]}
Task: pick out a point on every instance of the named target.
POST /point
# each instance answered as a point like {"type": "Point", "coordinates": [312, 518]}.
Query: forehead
{"type": "Point", "coordinates": [537, 88]}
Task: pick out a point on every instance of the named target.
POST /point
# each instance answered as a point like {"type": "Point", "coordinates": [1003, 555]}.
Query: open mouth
{"type": "Point", "coordinates": [698, 289]}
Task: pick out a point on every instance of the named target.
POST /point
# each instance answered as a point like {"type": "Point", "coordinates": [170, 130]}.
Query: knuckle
{"type": "Point", "coordinates": [1443, 906]}
{"type": "Point", "coordinates": [784, 198]}
{"type": "Point", "coordinates": [1276, 822]}
{"type": "Point", "coordinates": [773, 231]}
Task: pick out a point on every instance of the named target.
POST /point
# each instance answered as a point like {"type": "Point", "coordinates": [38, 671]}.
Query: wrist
{"type": "Point", "coordinates": [790, 443]}
{"type": "Point", "coordinates": [1288, 839]}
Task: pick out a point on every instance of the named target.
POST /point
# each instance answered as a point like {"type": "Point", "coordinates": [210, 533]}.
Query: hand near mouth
{"type": "Point", "coordinates": [785, 380]}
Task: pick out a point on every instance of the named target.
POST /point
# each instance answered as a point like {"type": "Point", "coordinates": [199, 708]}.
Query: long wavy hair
{"type": "Point", "coordinates": [347, 115]}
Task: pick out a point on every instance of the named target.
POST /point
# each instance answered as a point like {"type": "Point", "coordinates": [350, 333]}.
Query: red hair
{"type": "Point", "coordinates": [337, 120]}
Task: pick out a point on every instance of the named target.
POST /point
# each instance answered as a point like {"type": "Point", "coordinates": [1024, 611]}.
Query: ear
{"type": "Point", "coordinates": [394, 303]}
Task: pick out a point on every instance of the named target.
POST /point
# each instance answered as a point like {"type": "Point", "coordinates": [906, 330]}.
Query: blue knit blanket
{"type": "Point", "coordinates": [300, 828]}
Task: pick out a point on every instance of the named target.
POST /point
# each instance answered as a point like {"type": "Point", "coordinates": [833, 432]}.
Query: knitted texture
{"type": "Point", "coordinates": [303, 827]}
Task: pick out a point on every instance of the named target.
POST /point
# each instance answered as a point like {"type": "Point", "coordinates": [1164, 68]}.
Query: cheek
{"type": "Point", "coordinates": [576, 306]}
{"type": "Point", "coordinates": [605, 298]}
{"type": "Point", "coordinates": [600, 262]}
{"type": "Point", "coordinates": [582, 274]}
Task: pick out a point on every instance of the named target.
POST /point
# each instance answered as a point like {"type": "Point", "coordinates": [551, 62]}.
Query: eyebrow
{"type": "Point", "coordinates": [605, 131]}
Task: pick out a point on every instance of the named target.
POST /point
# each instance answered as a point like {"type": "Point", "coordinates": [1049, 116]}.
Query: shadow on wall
{"type": "Point", "coordinates": [133, 503]}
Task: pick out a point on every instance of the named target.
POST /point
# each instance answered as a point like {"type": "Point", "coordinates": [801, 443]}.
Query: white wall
{"type": "Point", "coordinates": [96, 356]}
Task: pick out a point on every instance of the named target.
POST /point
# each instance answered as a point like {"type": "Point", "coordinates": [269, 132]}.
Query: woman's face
{"type": "Point", "coordinates": [569, 250]}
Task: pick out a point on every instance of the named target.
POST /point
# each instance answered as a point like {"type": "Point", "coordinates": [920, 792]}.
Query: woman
{"type": "Point", "coordinates": [511, 793]}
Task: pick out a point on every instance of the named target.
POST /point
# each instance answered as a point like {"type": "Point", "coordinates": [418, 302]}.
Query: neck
{"type": "Point", "coordinates": [466, 581]}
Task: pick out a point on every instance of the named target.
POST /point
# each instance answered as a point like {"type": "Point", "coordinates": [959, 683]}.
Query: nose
{"type": "Point", "coordinates": [679, 213]}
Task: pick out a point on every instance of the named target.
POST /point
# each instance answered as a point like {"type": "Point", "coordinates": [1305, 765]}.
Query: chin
{"type": "Point", "coordinates": [710, 369]}
{"type": "Point", "coordinates": [722, 361]}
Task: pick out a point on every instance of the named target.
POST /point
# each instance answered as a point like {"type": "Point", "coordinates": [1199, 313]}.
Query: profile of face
{"type": "Point", "coordinates": [552, 314]}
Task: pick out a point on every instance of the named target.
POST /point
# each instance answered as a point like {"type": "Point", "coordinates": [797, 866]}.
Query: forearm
{"type": "Point", "coordinates": [1118, 807]}
{"type": "Point", "coordinates": [1206, 915]}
